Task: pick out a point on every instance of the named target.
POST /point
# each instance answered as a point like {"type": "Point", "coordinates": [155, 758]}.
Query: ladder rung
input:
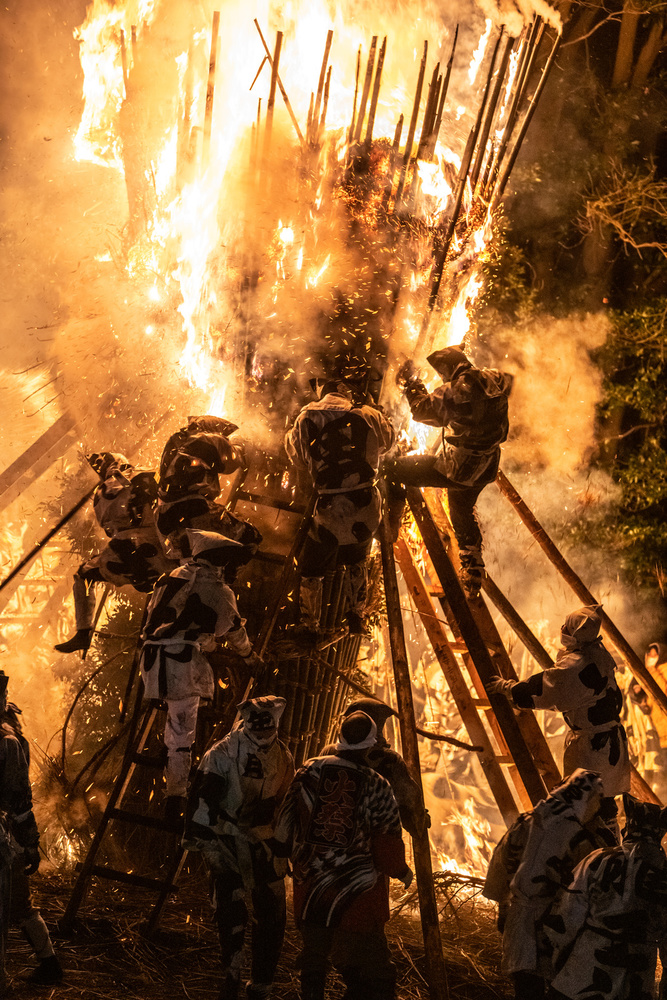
{"type": "Point", "coordinates": [481, 702]}
{"type": "Point", "coordinates": [154, 822]}
{"type": "Point", "coordinates": [258, 498]}
{"type": "Point", "coordinates": [269, 557]}
{"type": "Point", "coordinates": [142, 881]}
{"type": "Point", "coordinates": [504, 758]}
{"type": "Point", "coordinates": [146, 761]}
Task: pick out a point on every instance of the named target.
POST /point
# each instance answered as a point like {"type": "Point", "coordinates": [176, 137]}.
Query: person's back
{"type": "Point", "coordinates": [476, 407]}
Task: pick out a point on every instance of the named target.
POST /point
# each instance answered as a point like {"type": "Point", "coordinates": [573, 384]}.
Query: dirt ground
{"type": "Point", "coordinates": [108, 958]}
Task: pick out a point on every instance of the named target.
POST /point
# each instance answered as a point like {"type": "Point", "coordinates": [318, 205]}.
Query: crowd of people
{"type": "Point", "coordinates": [573, 901]}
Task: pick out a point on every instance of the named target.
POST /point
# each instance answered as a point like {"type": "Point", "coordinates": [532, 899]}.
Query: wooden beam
{"type": "Point", "coordinates": [36, 459]}
{"type": "Point", "coordinates": [435, 962]}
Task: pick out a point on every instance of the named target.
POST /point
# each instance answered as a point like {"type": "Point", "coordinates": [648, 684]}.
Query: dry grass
{"type": "Point", "coordinates": [107, 958]}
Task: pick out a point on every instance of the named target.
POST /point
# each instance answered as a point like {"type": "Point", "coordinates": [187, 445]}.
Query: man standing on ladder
{"type": "Point", "coordinates": [339, 442]}
{"type": "Point", "coordinates": [471, 408]}
{"type": "Point", "coordinates": [189, 611]}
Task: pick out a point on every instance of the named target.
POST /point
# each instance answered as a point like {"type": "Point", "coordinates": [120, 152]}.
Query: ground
{"type": "Point", "coordinates": [107, 958]}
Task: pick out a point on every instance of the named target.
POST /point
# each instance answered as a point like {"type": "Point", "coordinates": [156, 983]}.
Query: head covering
{"type": "Point", "coordinates": [213, 548]}
{"type": "Point", "coordinates": [643, 820]}
{"type": "Point", "coordinates": [377, 710]}
{"type": "Point", "coordinates": [581, 628]}
{"type": "Point", "coordinates": [582, 791]}
{"type": "Point", "coordinates": [448, 360]}
{"type": "Point", "coordinates": [212, 425]}
{"type": "Point", "coordinates": [4, 681]}
{"type": "Point", "coordinates": [102, 462]}
{"type": "Point", "coordinates": [261, 717]}
{"type": "Point", "coordinates": [357, 732]}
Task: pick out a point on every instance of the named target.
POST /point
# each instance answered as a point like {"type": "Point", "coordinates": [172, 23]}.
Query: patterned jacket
{"type": "Point", "coordinates": [472, 410]}
{"type": "Point", "coordinates": [340, 825]}
{"type": "Point", "coordinates": [17, 820]}
{"type": "Point", "coordinates": [194, 458]}
{"type": "Point", "coordinates": [124, 501]}
{"type": "Point", "coordinates": [607, 927]}
{"type": "Point", "coordinates": [339, 444]}
{"type": "Point", "coordinates": [187, 609]}
{"type": "Point", "coordinates": [535, 860]}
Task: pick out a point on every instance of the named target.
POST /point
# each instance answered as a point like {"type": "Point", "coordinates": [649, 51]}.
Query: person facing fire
{"type": "Point", "coordinates": [388, 763]}
{"type": "Point", "coordinates": [606, 928]}
{"type": "Point", "coordinates": [532, 864]}
{"type": "Point", "coordinates": [190, 610]}
{"type": "Point", "coordinates": [583, 687]}
{"type": "Point", "coordinates": [238, 788]}
{"type": "Point", "coordinates": [123, 504]}
{"type": "Point", "coordinates": [471, 407]}
{"type": "Point", "coordinates": [19, 846]}
{"type": "Point", "coordinates": [341, 827]}
{"type": "Point", "coordinates": [193, 459]}
{"type": "Point", "coordinates": [339, 442]}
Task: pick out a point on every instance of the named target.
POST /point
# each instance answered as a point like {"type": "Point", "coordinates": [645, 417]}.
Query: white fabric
{"type": "Point", "coordinates": [179, 735]}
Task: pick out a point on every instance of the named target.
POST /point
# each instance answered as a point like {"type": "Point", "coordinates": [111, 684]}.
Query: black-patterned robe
{"type": "Point", "coordinates": [535, 860]}
{"type": "Point", "coordinates": [340, 445]}
{"type": "Point", "coordinates": [607, 927]}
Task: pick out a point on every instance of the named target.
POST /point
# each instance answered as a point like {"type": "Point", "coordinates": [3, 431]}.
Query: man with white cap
{"type": "Point", "coordinates": [190, 610]}
{"type": "Point", "coordinates": [583, 687]}
{"type": "Point", "coordinates": [471, 408]}
{"type": "Point", "coordinates": [341, 827]}
{"type": "Point", "coordinates": [236, 794]}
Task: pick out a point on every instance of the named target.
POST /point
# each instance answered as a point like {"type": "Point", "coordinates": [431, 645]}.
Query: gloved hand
{"type": "Point", "coordinates": [427, 819]}
{"type": "Point", "coordinates": [406, 372]}
{"type": "Point", "coordinates": [406, 878]}
{"type": "Point", "coordinates": [500, 686]}
{"type": "Point", "coordinates": [31, 859]}
{"type": "Point", "coordinates": [254, 661]}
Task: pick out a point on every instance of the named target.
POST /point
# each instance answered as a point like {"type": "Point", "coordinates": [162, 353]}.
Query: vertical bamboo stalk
{"type": "Point", "coordinates": [367, 86]}
{"type": "Point", "coordinates": [435, 962]}
{"type": "Point", "coordinates": [325, 103]}
{"type": "Point", "coordinates": [320, 83]}
{"type": "Point", "coordinates": [283, 92]}
{"type": "Point", "coordinates": [443, 95]}
{"type": "Point", "coordinates": [376, 92]}
{"type": "Point", "coordinates": [490, 114]}
{"type": "Point", "coordinates": [393, 161]}
{"type": "Point", "coordinates": [411, 130]}
{"type": "Point", "coordinates": [354, 103]}
{"type": "Point", "coordinates": [268, 128]}
{"type": "Point", "coordinates": [210, 88]}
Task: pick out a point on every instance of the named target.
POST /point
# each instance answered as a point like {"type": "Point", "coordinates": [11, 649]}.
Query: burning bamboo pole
{"type": "Point", "coordinates": [411, 130]}
{"type": "Point", "coordinates": [376, 93]}
{"type": "Point", "coordinates": [425, 137]}
{"type": "Point", "coordinates": [490, 114]}
{"type": "Point", "coordinates": [441, 256]}
{"type": "Point", "coordinates": [210, 88]}
{"type": "Point", "coordinates": [528, 117]}
{"type": "Point", "coordinates": [443, 96]}
{"type": "Point", "coordinates": [435, 963]}
{"type": "Point", "coordinates": [320, 87]}
{"type": "Point", "coordinates": [366, 89]}
{"type": "Point", "coordinates": [283, 92]}
{"type": "Point", "coordinates": [325, 105]}
{"type": "Point", "coordinates": [619, 641]}
{"type": "Point", "coordinates": [350, 134]}
{"type": "Point", "coordinates": [268, 126]}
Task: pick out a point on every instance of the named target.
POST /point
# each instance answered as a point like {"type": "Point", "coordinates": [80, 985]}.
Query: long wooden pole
{"type": "Point", "coordinates": [283, 92]}
{"type": "Point", "coordinates": [411, 129]}
{"type": "Point", "coordinates": [619, 641]}
{"type": "Point", "coordinates": [435, 962]}
{"type": "Point", "coordinates": [268, 127]}
{"type": "Point", "coordinates": [210, 87]}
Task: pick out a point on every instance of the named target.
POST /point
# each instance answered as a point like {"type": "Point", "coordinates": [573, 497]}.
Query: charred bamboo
{"type": "Point", "coordinates": [283, 92]}
{"type": "Point", "coordinates": [350, 135]}
{"type": "Point", "coordinates": [443, 96]}
{"type": "Point", "coordinates": [376, 92]}
{"type": "Point", "coordinates": [366, 90]}
{"type": "Point", "coordinates": [320, 85]}
{"type": "Point", "coordinates": [490, 114]}
{"type": "Point", "coordinates": [268, 127]}
{"type": "Point", "coordinates": [411, 130]}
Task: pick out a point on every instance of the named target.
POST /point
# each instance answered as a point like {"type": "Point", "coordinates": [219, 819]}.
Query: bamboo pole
{"type": "Point", "coordinates": [210, 88]}
{"type": "Point", "coordinates": [516, 622]}
{"type": "Point", "coordinates": [376, 92]}
{"type": "Point", "coordinates": [528, 117]}
{"type": "Point", "coordinates": [443, 95]}
{"type": "Point", "coordinates": [320, 83]}
{"type": "Point", "coordinates": [325, 104]}
{"type": "Point", "coordinates": [610, 630]}
{"type": "Point", "coordinates": [283, 92]}
{"type": "Point", "coordinates": [366, 89]}
{"type": "Point", "coordinates": [435, 963]}
{"type": "Point", "coordinates": [412, 128]}
{"type": "Point", "coordinates": [350, 134]}
{"type": "Point", "coordinates": [268, 126]}
{"type": "Point", "coordinates": [490, 114]}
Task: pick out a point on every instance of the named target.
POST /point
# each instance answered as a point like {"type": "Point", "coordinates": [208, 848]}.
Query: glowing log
{"type": "Point", "coordinates": [435, 963]}
{"type": "Point", "coordinates": [619, 641]}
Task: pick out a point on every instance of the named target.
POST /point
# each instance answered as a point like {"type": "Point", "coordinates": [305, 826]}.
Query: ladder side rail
{"type": "Point", "coordinates": [457, 685]}
{"type": "Point", "coordinates": [479, 653]}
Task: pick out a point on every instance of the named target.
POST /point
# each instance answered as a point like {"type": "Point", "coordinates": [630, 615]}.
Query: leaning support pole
{"type": "Point", "coordinates": [435, 962]}
{"type": "Point", "coordinates": [619, 641]}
